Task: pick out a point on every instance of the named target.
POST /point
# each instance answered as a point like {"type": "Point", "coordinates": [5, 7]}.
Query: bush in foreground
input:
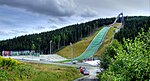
{"type": "Point", "coordinates": [6, 63]}
{"type": "Point", "coordinates": [131, 62]}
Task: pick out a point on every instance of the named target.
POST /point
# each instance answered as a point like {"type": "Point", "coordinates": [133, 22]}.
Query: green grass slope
{"type": "Point", "coordinates": [79, 47]}
{"type": "Point", "coordinates": [12, 70]}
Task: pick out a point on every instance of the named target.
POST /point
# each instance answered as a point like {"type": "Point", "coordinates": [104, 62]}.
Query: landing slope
{"type": "Point", "coordinates": [94, 45]}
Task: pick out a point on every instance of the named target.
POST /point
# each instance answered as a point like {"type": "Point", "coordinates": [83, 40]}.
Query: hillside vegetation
{"type": "Point", "coordinates": [127, 57]}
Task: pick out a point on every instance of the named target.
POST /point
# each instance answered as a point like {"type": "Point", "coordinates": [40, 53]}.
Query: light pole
{"type": "Point", "coordinates": [50, 46]}
{"type": "Point", "coordinates": [71, 46]}
{"type": "Point", "coordinates": [39, 41]}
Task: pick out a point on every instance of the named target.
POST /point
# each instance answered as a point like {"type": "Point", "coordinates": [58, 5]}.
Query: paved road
{"type": "Point", "coordinates": [91, 77]}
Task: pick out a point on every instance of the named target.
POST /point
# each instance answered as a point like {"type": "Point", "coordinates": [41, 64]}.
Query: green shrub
{"type": "Point", "coordinates": [132, 62]}
{"type": "Point", "coordinates": [24, 71]}
{"type": "Point", "coordinates": [17, 73]}
{"type": "Point", "coordinates": [108, 56]}
{"type": "Point", "coordinates": [5, 63]}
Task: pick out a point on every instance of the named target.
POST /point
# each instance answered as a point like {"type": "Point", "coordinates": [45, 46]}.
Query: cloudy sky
{"type": "Point", "coordinates": [21, 17]}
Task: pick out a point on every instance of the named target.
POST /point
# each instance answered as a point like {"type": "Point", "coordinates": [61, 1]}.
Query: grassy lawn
{"type": "Point", "coordinates": [80, 46]}
{"type": "Point", "coordinates": [37, 72]}
{"type": "Point", "coordinates": [54, 73]}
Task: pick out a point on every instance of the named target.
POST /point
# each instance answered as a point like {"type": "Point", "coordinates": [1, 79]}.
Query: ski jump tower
{"type": "Point", "coordinates": [122, 19]}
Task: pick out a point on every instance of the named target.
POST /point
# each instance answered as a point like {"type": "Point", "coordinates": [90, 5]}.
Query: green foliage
{"type": "Point", "coordinates": [33, 47]}
{"type": "Point", "coordinates": [132, 62]}
{"type": "Point", "coordinates": [6, 63]}
{"type": "Point", "coordinates": [108, 56]}
{"type": "Point", "coordinates": [17, 73]}
{"type": "Point", "coordinates": [132, 26]}
{"type": "Point", "coordinates": [67, 75]}
{"type": "Point", "coordinates": [38, 72]}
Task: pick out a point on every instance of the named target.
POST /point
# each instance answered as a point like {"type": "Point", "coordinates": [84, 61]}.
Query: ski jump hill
{"type": "Point", "coordinates": [97, 41]}
{"type": "Point", "coordinates": [94, 45]}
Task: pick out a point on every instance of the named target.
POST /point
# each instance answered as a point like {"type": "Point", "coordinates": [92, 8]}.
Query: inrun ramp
{"type": "Point", "coordinates": [94, 45]}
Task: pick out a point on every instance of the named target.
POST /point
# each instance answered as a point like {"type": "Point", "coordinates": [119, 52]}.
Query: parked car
{"type": "Point", "coordinates": [82, 69]}
{"type": "Point", "coordinates": [98, 70]}
{"type": "Point", "coordinates": [86, 72]}
{"type": "Point", "coordinates": [74, 62]}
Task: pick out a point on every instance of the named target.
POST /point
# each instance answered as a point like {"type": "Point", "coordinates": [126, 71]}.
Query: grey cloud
{"type": "Point", "coordinates": [39, 28]}
{"type": "Point", "coordinates": [53, 8]}
{"type": "Point", "coordinates": [53, 27]}
{"type": "Point", "coordinates": [17, 32]}
{"type": "Point", "coordinates": [112, 7]}
{"type": "Point", "coordinates": [110, 4]}
{"type": "Point", "coordinates": [2, 33]}
{"type": "Point", "coordinates": [47, 7]}
{"type": "Point", "coordinates": [88, 13]}
{"type": "Point", "coordinates": [8, 34]}
{"type": "Point", "coordinates": [59, 19]}
{"type": "Point", "coordinates": [14, 32]}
